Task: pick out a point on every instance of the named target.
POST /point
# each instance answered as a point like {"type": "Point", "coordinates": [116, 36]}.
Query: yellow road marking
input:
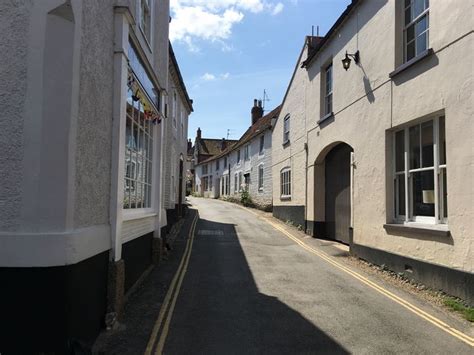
{"type": "Point", "coordinates": [433, 320]}
{"type": "Point", "coordinates": [164, 333]}
{"type": "Point", "coordinates": [164, 306]}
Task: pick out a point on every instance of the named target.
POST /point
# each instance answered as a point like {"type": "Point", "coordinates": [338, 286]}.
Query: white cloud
{"type": "Point", "coordinates": [213, 20]}
{"type": "Point", "coordinates": [214, 77]}
{"type": "Point", "coordinates": [208, 77]}
{"type": "Point", "coordinates": [277, 9]}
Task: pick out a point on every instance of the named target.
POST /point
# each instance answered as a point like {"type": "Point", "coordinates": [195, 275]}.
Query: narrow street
{"type": "Point", "coordinates": [248, 288]}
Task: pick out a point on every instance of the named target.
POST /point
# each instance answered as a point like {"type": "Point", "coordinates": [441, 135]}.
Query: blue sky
{"type": "Point", "coordinates": [229, 51]}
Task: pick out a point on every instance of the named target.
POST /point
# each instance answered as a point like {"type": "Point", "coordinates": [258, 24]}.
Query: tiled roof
{"type": "Point", "coordinates": [253, 131]}
{"type": "Point", "coordinates": [208, 146]}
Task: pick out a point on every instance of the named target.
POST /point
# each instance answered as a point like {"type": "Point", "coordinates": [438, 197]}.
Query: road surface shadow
{"type": "Point", "coordinates": [221, 311]}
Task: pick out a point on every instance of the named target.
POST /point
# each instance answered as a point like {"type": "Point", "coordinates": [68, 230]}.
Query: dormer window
{"type": "Point", "coordinates": [145, 18]}
{"type": "Point", "coordinates": [416, 28]}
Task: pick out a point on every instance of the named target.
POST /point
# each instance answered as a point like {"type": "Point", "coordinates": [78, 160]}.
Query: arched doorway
{"type": "Point", "coordinates": [338, 193]}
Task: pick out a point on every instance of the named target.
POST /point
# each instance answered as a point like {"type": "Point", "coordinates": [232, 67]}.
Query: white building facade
{"type": "Point", "coordinates": [81, 193]}
{"type": "Point", "coordinates": [245, 166]}
{"type": "Point", "coordinates": [377, 152]}
{"type": "Point", "coordinates": [175, 143]}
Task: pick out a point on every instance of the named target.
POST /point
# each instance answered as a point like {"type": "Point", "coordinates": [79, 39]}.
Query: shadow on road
{"type": "Point", "coordinates": [220, 309]}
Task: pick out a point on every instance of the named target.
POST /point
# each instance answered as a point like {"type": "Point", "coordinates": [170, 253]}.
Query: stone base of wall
{"type": "Point", "coordinates": [293, 214]}
{"type": "Point", "coordinates": [57, 309]}
{"type": "Point", "coordinates": [451, 281]}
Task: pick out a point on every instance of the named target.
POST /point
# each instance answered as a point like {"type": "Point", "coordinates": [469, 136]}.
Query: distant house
{"type": "Point", "coordinates": [246, 165]}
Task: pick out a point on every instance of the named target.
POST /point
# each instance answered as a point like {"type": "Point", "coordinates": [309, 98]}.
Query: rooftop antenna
{"type": "Point", "coordinates": [229, 132]}
{"type": "Point", "coordinates": [265, 98]}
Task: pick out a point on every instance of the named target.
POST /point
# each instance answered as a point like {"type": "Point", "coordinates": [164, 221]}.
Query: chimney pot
{"type": "Point", "coordinates": [257, 111]}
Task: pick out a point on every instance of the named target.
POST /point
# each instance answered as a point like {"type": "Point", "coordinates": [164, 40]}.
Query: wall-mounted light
{"type": "Point", "coordinates": [346, 62]}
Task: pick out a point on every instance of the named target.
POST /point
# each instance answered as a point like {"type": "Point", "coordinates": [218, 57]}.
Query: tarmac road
{"type": "Point", "coordinates": [244, 287]}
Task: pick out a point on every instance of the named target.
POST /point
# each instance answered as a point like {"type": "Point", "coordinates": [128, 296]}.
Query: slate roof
{"type": "Point", "coordinates": [253, 131]}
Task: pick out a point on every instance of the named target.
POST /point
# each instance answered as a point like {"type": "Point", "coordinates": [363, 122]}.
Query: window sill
{"type": "Point", "coordinates": [286, 143]}
{"type": "Point", "coordinates": [285, 198]}
{"type": "Point", "coordinates": [139, 214]}
{"type": "Point", "coordinates": [435, 230]}
{"type": "Point", "coordinates": [428, 52]}
{"type": "Point", "coordinates": [325, 117]}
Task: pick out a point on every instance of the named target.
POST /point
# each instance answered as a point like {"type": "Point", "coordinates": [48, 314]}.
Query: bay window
{"type": "Point", "coordinates": [420, 173]}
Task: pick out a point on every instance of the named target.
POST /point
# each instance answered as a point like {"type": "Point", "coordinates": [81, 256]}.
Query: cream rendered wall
{"type": "Point", "coordinates": [368, 106]}
{"type": "Point", "coordinates": [293, 154]}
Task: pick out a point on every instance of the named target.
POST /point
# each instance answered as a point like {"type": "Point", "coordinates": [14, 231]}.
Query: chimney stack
{"type": "Point", "coordinates": [257, 110]}
{"type": "Point", "coordinates": [198, 135]}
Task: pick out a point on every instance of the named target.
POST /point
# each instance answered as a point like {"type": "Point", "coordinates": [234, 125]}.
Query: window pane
{"type": "Point", "coordinates": [407, 16]}
{"type": "Point", "coordinates": [418, 7]}
{"type": "Point", "coordinates": [410, 33]}
{"type": "Point", "coordinates": [427, 144]}
{"type": "Point", "coordinates": [410, 51]}
{"type": "Point", "coordinates": [421, 43]}
{"type": "Point", "coordinates": [444, 192]}
{"type": "Point", "coordinates": [400, 186]}
{"type": "Point", "coordinates": [442, 141]}
{"type": "Point", "coordinates": [415, 147]}
{"type": "Point", "coordinates": [400, 151]}
{"type": "Point", "coordinates": [423, 193]}
{"type": "Point", "coordinates": [421, 25]}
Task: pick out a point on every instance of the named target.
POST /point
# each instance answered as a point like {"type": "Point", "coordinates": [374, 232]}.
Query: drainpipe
{"type": "Point", "coordinates": [306, 189]}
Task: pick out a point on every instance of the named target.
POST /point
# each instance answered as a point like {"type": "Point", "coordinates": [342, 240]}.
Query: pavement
{"type": "Point", "coordinates": [240, 282]}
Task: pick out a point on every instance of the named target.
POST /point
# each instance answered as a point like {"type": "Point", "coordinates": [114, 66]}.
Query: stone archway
{"type": "Point", "coordinates": [333, 193]}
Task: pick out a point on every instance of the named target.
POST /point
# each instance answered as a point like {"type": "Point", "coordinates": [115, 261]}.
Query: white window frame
{"type": "Point", "coordinates": [285, 183]}
{"type": "Point", "coordinates": [286, 129]}
{"type": "Point", "coordinates": [247, 152]}
{"type": "Point", "coordinates": [413, 22]}
{"type": "Point", "coordinates": [238, 157]}
{"type": "Point", "coordinates": [139, 178]}
{"type": "Point", "coordinates": [240, 182]}
{"type": "Point", "coordinates": [261, 146]}
{"type": "Point", "coordinates": [260, 177]}
{"type": "Point", "coordinates": [407, 176]}
{"type": "Point", "coordinates": [205, 169]}
{"type": "Point", "coordinates": [148, 6]}
{"type": "Point", "coordinates": [218, 165]}
{"type": "Point", "coordinates": [328, 89]}
{"type": "Point", "coordinates": [236, 177]}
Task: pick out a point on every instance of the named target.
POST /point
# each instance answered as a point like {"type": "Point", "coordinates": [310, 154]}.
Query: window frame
{"type": "Point", "coordinates": [260, 177]}
{"type": "Point", "coordinates": [407, 175]}
{"type": "Point", "coordinates": [414, 21]}
{"type": "Point", "coordinates": [247, 152]}
{"type": "Point", "coordinates": [138, 179]}
{"type": "Point", "coordinates": [147, 33]}
{"type": "Point", "coordinates": [285, 183]}
{"type": "Point", "coordinates": [261, 148]}
{"type": "Point", "coordinates": [286, 129]}
{"type": "Point", "coordinates": [328, 92]}
{"type": "Point", "coordinates": [238, 156]}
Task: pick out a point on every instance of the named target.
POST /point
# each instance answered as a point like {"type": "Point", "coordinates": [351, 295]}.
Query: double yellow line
{"type": "Point", "coordinates": [419, 312]}
{"type": "Point", "coordinates": [169, 303]}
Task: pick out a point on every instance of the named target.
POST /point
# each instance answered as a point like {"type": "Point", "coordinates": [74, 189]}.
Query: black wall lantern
{"type": "Point", "coordinates": [346, 62]}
